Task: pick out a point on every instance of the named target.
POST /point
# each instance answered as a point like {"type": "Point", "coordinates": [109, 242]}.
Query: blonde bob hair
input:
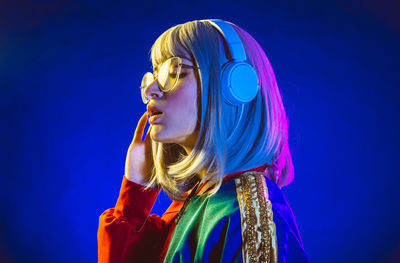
{"type": "Point", "coordinates": [259, 138]}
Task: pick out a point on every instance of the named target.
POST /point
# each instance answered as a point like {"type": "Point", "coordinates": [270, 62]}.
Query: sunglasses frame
{"type": "Point", "coordinates": [155, 77]}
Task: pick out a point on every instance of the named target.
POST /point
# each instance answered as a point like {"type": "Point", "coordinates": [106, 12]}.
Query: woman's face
{"type": "Point", "coordinates": [178, 124]}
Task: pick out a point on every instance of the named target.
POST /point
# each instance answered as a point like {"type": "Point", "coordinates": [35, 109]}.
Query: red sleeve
{"type": "Point", "coordinates": [127, 233]}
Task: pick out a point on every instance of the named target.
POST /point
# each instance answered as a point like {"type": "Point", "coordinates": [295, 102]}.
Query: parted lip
{"type": "Point", "coordinates": [151, 109]}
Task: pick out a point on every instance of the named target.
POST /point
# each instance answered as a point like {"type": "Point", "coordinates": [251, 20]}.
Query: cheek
{"type": "Point", "coordinates": [191, 106]}
{"type": "Point", "coordinates": [183, 104]}
{"type": "Point", "coordinates": [185, 99]}
{"type": "Point", "coordinates": [186, 111]}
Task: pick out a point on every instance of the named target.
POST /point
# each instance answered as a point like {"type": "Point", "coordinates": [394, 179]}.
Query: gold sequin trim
{"type": "Point", "coordinates": [258, 228]}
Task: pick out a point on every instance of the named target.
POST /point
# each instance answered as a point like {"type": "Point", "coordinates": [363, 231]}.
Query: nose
{"type": "Point", "coordinates": [153, 91]}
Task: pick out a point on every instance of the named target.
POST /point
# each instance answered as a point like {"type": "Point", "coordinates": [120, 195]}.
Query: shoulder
{"type": "Point", "coordinates": [268, 223]}
{"type": "Point", "coordinates": [255, 185]}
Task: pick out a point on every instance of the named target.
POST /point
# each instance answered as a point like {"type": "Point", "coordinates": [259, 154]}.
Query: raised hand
{"type": "Point", "coordinates": [139, 158]}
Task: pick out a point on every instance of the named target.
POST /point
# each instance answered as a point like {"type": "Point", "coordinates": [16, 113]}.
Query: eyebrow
{"type": "Point", "coordinates": [181, 56]}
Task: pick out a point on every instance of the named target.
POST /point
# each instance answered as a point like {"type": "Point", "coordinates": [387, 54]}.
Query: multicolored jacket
{"type": "Point", "coordinates": [247, 220]}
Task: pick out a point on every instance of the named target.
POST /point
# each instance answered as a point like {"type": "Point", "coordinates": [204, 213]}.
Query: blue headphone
{"type": "Point", "coordinates": [239, 79]}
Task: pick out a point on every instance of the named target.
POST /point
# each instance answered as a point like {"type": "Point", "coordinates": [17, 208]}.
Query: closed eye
{"type": "Point", "coordinates": [181, 75]}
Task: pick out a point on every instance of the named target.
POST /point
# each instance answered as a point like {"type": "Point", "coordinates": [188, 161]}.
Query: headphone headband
{"type": "Point", "coordinates": [235, 44]}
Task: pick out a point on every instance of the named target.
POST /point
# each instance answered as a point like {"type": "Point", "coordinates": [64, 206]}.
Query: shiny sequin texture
{"type": "Point", "coordinates": [258, 228]}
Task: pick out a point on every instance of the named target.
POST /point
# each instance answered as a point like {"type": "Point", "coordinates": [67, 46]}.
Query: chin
{"type": "Point", "coordinates": [157, 136]}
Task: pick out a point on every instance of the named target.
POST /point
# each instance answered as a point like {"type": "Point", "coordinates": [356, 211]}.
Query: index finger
{"type": "Point", "coordinates": [140, 128]}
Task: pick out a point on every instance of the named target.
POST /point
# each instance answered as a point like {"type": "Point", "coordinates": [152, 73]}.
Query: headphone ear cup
{"type": "Point", "coordinates": [239, 83]}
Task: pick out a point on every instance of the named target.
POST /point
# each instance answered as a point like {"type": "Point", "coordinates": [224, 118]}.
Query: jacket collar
{"type": "Point", "coordinates": [233, 175]}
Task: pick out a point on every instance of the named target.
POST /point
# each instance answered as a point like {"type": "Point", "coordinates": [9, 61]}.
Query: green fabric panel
{"type": "Point", "coordinates": [200, 218]}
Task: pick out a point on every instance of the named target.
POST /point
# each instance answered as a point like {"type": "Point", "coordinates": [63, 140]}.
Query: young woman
{"type": "Point", "coordinates": [217, 145]}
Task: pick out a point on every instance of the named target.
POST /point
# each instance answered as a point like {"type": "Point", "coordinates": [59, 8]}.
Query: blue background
{"type": "Point", "coordinates": [70, 101]}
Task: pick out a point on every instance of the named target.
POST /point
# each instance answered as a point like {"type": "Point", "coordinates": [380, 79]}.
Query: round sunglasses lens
{"type": "Point", "coordinates": [146, 80]}
{"type": "Point", "coordinates": [144, 97]}
{"type": "Point", "coordinates": [169, 74]}
{"type": "Point", "coordinates": [163, 74]}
